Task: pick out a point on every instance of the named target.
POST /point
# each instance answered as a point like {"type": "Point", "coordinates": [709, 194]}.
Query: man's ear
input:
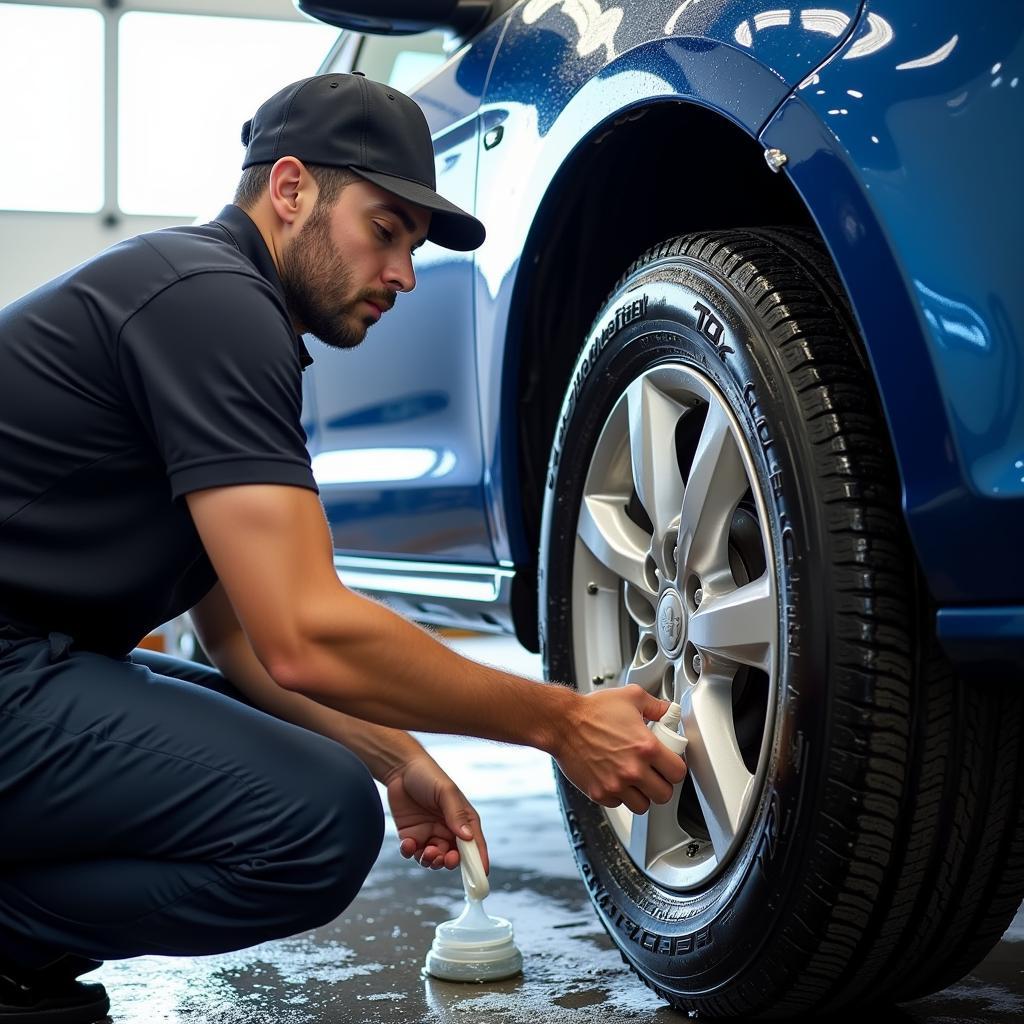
{"type": "Point", "coordinates": [292, 189]}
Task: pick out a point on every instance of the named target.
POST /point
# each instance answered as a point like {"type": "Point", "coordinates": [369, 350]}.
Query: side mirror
{"type": "Point", "coordinates": [398, 17]}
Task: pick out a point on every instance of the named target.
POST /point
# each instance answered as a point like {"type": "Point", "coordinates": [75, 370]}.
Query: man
{"type": "Point", "coordinates": [154, 463]}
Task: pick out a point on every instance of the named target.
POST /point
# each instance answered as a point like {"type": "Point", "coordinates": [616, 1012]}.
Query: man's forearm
{"type": "Point", "coordinates": [365, 660]}
{"type": "Point", "coordinates": [381, 749]}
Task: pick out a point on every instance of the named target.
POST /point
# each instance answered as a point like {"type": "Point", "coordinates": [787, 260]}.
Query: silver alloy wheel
{"type": "Point", "coordinates": [664, 597]}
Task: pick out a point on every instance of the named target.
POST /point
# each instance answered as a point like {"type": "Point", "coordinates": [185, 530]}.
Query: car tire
{"type": "Point", "coordinates": [851, 828]}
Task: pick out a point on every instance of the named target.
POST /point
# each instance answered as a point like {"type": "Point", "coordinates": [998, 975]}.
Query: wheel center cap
{"type": "Point", "coordinates": [670, 623]}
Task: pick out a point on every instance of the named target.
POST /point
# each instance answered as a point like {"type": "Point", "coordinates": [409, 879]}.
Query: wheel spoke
{"type": "Point", "coordinates": [716, 483]}
{"type": "Point", "coordinates": [714, 760]}
{"type": "Point", "coordinates": [640, 606]}
{"type": "Point", "coordinates": [647, 673]}
{"type": "Point", "coordinates": [656, 833]}
{"type": "Point", "coordinates": [739, 626]}
{"type": "Point", "coordinates": [653, 416]}
{"type": "Point", "coordinates": [613, 538]}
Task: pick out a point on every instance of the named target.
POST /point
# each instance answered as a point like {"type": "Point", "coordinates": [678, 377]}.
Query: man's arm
{"type": "Point", "coordinates": [381, 749]}
{"type": "Point", "coordinates": [271, 548]}
{"type": "Point", "coordinates": [418, 790]}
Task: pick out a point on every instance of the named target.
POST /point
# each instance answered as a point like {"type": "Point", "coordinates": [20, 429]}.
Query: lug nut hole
{"type": "Point", "coordinates": [668, 684]}
{"type": "Point", "coordinates": [691, 662]}
{"type": "Point", "coordinates": [670, 552]}
{"type": "Point", "coordinates": [651, 573]}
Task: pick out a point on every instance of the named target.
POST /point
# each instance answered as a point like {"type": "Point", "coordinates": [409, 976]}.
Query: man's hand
{"type": "Point", "coordinates": [607, 752]}
{"type": "Point", "coordinates": [429, 811]}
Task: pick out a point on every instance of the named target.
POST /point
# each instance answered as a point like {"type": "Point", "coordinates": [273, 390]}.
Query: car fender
{"type": "Point", "coordinates": [600, 67]}
{"type": "Point", "coordinates": [906, 147]}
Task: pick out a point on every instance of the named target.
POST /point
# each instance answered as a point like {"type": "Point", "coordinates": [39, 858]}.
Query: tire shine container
{"type": "Point", "coordinates": [474, 946]}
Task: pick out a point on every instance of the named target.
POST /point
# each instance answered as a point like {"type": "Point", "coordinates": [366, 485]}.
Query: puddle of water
{"type": "Point", "coordinates": [988, 998]}
{"type": "Point", "coordinates": [569, 968]}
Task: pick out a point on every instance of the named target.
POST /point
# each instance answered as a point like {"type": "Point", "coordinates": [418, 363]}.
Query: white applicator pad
{"type": "Point", "coordinates": [475, 946]}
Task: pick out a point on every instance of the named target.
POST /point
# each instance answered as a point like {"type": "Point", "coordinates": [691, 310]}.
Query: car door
{"type": "Point", "coordinates": [396, 449]}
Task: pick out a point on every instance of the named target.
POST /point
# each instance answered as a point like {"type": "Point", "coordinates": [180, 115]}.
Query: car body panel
{"type": "Point", "coordinates": [986, 643]}
{"type": "Point", "coordinates": [396, 448]}
{"type": "Point", "coordinates": [562, 72]}
{"type": "Point", "coordinates": [907, 147]}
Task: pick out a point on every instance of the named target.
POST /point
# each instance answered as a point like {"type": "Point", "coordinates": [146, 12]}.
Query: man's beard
{"type": "Point", "coordinates": [316, 282]}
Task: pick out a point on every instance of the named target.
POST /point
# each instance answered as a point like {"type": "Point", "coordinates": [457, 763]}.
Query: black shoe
{"type": "Point", "coordinates": [50, 994]}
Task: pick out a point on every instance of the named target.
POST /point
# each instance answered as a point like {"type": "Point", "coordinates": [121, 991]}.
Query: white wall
{"type": "Point", "coordinates": [35, 247]}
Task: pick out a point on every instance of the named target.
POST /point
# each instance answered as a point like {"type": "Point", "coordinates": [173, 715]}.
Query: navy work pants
{"type": "Point", "coordinates": [146, 807]}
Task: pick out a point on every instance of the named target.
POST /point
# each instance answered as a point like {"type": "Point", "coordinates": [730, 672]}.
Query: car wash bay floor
{"type": "Point", "coordinates": [366, 965]}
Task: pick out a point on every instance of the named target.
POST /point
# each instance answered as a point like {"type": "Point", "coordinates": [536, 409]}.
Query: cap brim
{"type": "Point", "coordinates": [450, 226]}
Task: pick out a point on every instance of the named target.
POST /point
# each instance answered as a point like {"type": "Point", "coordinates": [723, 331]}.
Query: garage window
{"type": "Point", "coordinates": [401, 61]}
{"type": "Point", "coordinates": [179, 149]}
{"type": "Point", "coordinates": [51, 81]}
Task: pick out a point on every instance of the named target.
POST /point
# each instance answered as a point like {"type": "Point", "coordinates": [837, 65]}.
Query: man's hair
{"type": "Point", "coordinates": [254, 180]}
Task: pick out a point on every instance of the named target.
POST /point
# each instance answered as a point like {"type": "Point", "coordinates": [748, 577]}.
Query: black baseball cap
{"type": "Point", "coordinates": [375, 130]}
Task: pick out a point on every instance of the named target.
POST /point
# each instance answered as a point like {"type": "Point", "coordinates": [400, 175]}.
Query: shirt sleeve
{"type": "Point", "coordinates": [211, 366]}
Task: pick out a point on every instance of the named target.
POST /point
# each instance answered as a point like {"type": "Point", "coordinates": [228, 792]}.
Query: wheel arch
{"type": "Point", "coordinates": [641, 152]}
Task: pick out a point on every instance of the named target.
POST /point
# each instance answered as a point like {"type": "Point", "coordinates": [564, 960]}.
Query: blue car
{"type": "Point", "coordinates": [730, 406]}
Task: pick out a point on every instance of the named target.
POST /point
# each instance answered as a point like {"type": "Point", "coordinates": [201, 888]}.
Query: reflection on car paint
{"type": "Point", "coordinates": [877, 34]}
{"type": "Point", "coordinates": [596, 28]}
{"type": "Point", "coordinates": [932, 58]}
{"type": "Point", "coordinates": [381, 465]}
{"type": "Point", "coordinates": [953, 320]}
{"type": "Point", "coordinates": [828, 22]}
{"type": "Point", "coordinates": [399, 410]}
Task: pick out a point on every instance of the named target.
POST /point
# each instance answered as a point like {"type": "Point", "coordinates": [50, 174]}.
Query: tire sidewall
{"type": "Point", "coordinates": [683, 310]}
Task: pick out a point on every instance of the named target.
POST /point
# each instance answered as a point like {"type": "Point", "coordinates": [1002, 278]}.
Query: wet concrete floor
{"type": "Point", "coordinates": [366, 965]}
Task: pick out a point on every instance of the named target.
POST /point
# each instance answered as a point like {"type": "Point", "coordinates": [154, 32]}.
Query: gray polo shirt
{"type": "Point", "coordinates": [164, 365]}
